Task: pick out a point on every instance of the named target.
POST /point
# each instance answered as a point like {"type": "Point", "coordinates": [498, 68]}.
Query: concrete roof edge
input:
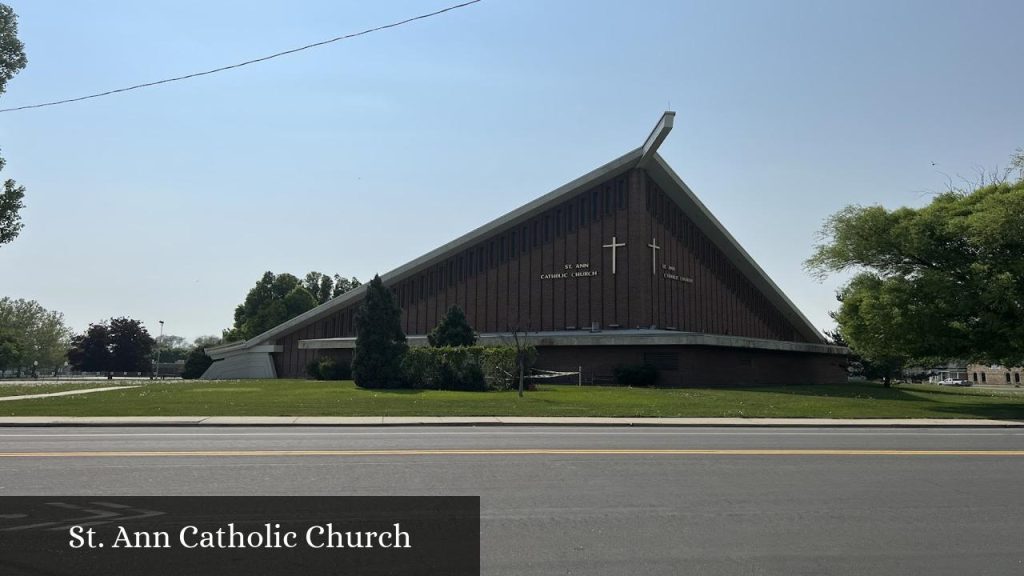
{"type": "Point", "coordinates": [725, 240]}
{"type": "Point", "coordinates": [615, 338]}
{"type": "Point", "coordinates": [621, 164]}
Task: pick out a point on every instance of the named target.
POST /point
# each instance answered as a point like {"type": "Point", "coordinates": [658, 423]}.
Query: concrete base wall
{"type": "Point", "coordinates": [699, 366]}
{"type": "Point", "coordinates": [241, 366]}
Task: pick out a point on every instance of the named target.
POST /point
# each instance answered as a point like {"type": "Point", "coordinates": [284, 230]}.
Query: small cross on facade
{"type": "Point", "coordinates": [654, 256]}
{"type": "Point", "coordinates": [614, 245]}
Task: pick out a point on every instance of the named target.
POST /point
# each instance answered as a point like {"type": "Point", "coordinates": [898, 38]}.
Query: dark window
{"type": "Point", "coordinates": [501, 249]}
{"type": "Point", "coordinates": [558, 223]}
{"type": "Point", "coordinates": [982, 376]}
{"type": "Point", "coordinates": [583, 211]}
{"type": "Point", "coordinates": [607, 199]}
{"type": "Point", "coordinates": [512, 244]}
{"type": "Point", "coordinates": [1016, 377]}
{"type": "Point", "coordinates": [423, 286]}
{"type": "Point", "coordinates": [460, 270]}
{"type": "Point", "coordinates": [1007, 377]}
{"type": "Point", "coordinates": [525, 235]}
{"type": "Point", "coordinates": [621, 194]}
{"type": "Point", "coordinates": [975, 376]}
{"type": "Point", "coordinates": [490, 255]}
{"type": "Point", "coordinates": [470, 261]}
{"type": "Point", "coordinates": [481, 264]}
{"type": "Point", "coordinates": [572, 218]}
{"type": "Point", "coordinates": [595, 204]}
{"type": "Point", "coordinates": [547, 227]}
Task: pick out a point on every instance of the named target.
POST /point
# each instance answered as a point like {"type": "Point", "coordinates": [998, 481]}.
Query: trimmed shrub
{"type": "Point", "coordinates": [313, 369]}
{"type": "Point", "coordinates": [474, 368]}
{"type": "Point", "coordinates": [636, 375]}
{"type": "Point", "coordinates": [500, 368]}
{"type": "Point", "coordinates": [326, 368]}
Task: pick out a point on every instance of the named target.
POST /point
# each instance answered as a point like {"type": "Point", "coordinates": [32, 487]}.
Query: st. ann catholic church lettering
{"type": "Point", "coordinates": [577, 270]}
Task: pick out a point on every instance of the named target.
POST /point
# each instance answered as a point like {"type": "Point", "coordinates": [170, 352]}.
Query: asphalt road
{"type": "Point", "coordinates": [599, 501]}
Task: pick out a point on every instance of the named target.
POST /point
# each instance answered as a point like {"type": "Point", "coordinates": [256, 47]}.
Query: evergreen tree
{"type": "Point", "coordinates": [453, 330]}
{"type": "Point", "coordinates": [380, 342]}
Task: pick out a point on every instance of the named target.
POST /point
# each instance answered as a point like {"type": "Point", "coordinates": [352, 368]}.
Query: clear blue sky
{"type": "Point", "coordinates": [169, 203]}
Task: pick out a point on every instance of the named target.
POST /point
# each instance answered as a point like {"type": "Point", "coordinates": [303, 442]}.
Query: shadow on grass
{"type": "Point", "coordinates": [986, 410]}
{"type": "Point", "coordinates": [393, 391]}
{"type": "Point", "coordinates": [851, 390]}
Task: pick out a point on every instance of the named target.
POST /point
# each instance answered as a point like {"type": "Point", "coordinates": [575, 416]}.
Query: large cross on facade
{"type": "Point", "coordinates": [654, 256]}
{"type": "Point", "coordinates": [614, 245]}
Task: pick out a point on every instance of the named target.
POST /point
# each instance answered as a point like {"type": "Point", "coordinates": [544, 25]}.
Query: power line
{"type": "Point", "coordinates": [246, 63]}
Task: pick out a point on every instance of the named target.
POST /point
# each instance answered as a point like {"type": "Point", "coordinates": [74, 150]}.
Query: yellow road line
{"type": "Point", "coordinates": [506, 452]}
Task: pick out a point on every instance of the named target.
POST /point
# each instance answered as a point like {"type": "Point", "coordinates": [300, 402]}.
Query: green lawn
{"type": "Point", "coordinates": [311, 398]}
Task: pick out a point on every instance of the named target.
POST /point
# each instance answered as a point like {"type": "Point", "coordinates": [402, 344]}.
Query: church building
{"type": "Point", "coordinates": [622, 266]}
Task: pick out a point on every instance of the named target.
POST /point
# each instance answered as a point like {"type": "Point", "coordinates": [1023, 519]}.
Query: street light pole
{"type": "Point", "coordinates": [159, 343]}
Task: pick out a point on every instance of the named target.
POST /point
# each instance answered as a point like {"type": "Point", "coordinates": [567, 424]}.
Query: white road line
{"type": "Point", "coordinates": [429, 432]}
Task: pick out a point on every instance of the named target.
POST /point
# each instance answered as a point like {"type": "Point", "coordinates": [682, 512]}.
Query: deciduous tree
{"type": "Point", "coordinates": [131, 346]}
{"type": "Point", "coordinates": [12, 60]}
{"type": "Point", "coordinates": [274, 299]}
{"type": "Point", "coordinates": [945, 281]}
{"type": "Point", "coordinates": [324, 287]}
{"type": "Point", "coordinates": [119, 345]}
{"type": "Point", "coordinates": [90, 352]}
{"type": "Point", "coordinates": [40, 334]}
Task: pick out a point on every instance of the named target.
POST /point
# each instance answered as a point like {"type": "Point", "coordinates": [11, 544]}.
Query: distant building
{"type": "Point", "coordinates": [623, 265]}
{"type": "Point", "coordinates": [994, 374]}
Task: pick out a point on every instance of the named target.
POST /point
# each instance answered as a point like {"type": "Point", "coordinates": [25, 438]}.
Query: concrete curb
{"type": "Point", "coordinates": [385, 421]}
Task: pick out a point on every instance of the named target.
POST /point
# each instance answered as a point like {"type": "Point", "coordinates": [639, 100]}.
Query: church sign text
{"type": "Point", "coordinates": [577, 270]}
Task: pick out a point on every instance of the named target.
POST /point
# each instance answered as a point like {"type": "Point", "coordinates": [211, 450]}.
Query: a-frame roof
{"type": "Point", "coordinates": [657, 168]}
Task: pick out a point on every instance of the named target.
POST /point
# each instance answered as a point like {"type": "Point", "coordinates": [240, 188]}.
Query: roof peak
{"type": "Point", "coordinates": [657, 136]}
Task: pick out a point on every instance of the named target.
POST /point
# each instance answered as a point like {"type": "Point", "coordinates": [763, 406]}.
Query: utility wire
{"type": "Point", "coordinates": [246, 63]}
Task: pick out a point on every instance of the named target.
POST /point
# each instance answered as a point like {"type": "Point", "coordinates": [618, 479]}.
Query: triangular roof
{"type": "Point", "coordinates": [656, 167]}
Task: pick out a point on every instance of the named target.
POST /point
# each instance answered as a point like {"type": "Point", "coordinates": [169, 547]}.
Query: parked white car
{"type": "Point", "coordinates": [954, 382]}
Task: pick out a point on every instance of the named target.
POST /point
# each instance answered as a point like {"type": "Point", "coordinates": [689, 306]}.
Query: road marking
{"type": "Point", "coordinates": [506, 452]}
{"type": "Point", "coordinates": [484, 432]}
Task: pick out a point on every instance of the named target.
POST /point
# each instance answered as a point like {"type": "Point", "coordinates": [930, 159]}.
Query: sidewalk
{"type": "Point", "coordinates": [64, 393]}
{"type": "Point", "coordinates": [499, 421]}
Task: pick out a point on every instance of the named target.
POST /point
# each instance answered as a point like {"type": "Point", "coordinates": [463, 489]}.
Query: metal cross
{"type": "Point", "coordinates": [654, 256]}
{"type": "Point", "coordinates": [614, 245]}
